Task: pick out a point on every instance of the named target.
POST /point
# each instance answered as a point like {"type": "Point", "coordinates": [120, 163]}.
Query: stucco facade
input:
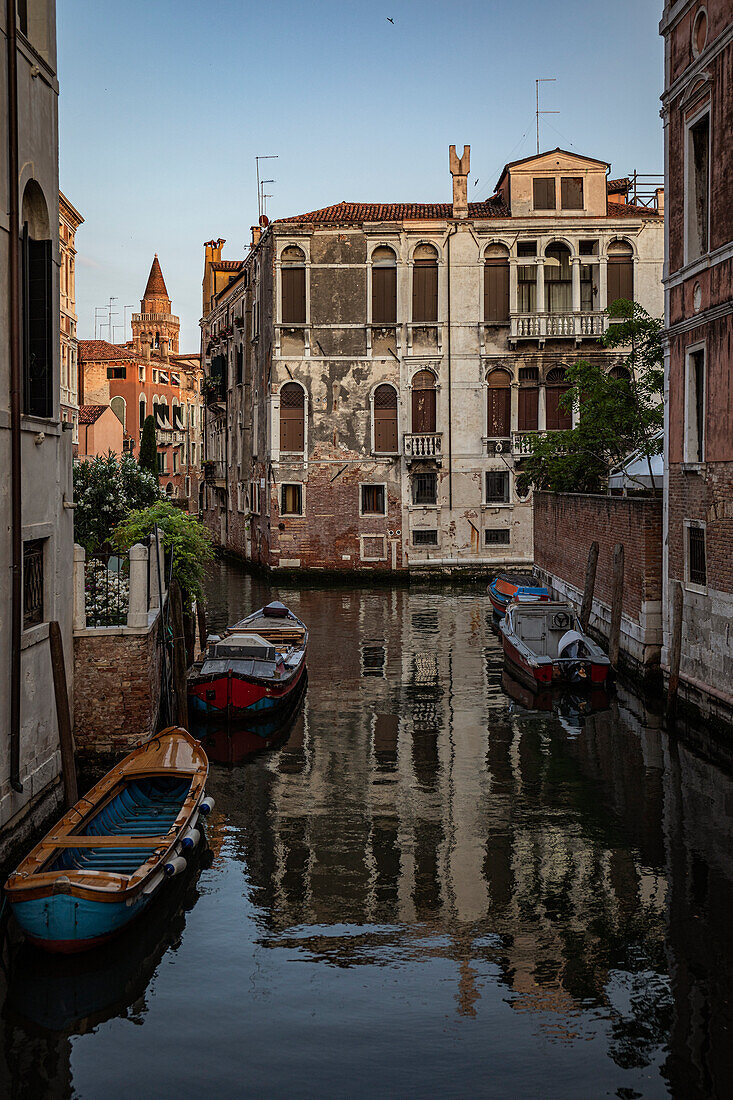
{"type": "Point", "coordinates": [46, 553]}
{"type": "Point", "coordinates": [698, 525]}
{"type": "Point", "coordinates": [421, 345]}
{"type": "Point", "coordinates": [69, 221]}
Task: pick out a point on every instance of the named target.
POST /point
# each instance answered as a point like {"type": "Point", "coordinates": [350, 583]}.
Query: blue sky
{"type": "Point", "coordinates": [165, 103]}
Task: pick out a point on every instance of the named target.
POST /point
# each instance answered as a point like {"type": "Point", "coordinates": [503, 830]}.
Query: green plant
{"type": "Point", "coordinates": [184, 538]}
{"type": "Point", "coordinates": [148, 458]}
{"type": "Point", "coordinates": [106, 490]}
{"type": "Point", "coordinates": [618, 415]}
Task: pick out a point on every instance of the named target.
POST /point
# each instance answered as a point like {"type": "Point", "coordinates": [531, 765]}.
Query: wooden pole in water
{"type": "Point", "coordinates": [675, 648]}
{"type": "Point", "coordinates": [617, 596]}
{"type": "Point", "coordinates": [180, 713]}
{"type": "Point", "coordinates": [201, 621]}
{"type": "Point", "coordinates": [590, 584]}
{"type": "Point", "coordinates": [63, 716]}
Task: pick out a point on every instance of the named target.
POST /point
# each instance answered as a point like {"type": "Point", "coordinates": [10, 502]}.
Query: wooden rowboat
{"type": "Point", "coordinates": [111, 853]}
{"type": "Point", "coordinates": [518, 587]}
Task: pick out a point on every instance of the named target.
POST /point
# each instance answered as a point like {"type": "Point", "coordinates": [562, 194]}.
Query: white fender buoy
{"type": "Point", "coordinates": [190, 840]}
{"type": "Point", "coordinates": [174, 866]}
{"type": "Point", "coordinates": [207, 805]}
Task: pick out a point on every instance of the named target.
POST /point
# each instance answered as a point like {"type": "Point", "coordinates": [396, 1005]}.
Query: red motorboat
{"type": "Point", "coordinates": [545, 644]}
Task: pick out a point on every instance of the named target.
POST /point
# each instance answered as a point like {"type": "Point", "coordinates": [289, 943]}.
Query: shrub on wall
{"type": "Point", "coordinates": [106, 489]}
{"type": "Point", "coordinates": [184, 538]}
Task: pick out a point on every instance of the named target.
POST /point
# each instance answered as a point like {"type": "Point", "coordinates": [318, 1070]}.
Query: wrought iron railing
{"type": "Point", "coordinates": [106, 589]}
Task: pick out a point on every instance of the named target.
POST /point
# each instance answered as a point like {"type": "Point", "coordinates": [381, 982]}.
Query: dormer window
{"type": "Point", "coordinates": [543, 191]}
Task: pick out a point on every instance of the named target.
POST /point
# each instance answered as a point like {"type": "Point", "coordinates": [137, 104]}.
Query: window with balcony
{"type": "Point", "coordinates": [425, 488]}
{"type": "Point", "coordinates": [556, 386]}
{"type": "Point", "coordinates": [498, 404]}
{"type": "Point", "coordinates": [373, 500]}
{"type": "Point", "coordinates": [291, 499]}
{"type": "Point", "coordinates": [620, 272]}
{"type": "Point", "coordinates": [697, 188]}
{"type": "Point", "coordinates": [425, 285]}
{"type": "Point", "coordinates": [423, 402]}
{"type": "Point", "coordinates": [292, 418]}
{"type": "Point", "coordinates": [292, 283]}
{"type": "Point", "coordinates": [558, 279]}
{"type": "Point", "coordinates": [385, 419]}
{"type": "Point", "coordinates": [571, 192]}
{"type": "Point", "coordinates": [496, 285]}
{"type": "Point", "coordinates": [497, 487]}
{"type": "Point", "coordinates": [543, 194]}
{"type": "Point", "coordinates": [527, 278]}
{"type": "Point", "coordinates": [384, 286]}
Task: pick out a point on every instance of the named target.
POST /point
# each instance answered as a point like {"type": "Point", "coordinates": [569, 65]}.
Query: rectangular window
{"type": "Point", "coordinates": [543, 191]}
{"type": "Point", "coordinates": [117, 372]}
{"type": "Point", "coordinates": [155, 376]}
{"type": "Point", "coordinates": [697, 188]}
{"type": "Point", "coordinates": [239, 365]}
{"type": "Point", "coordinates": [620, 279]}
{"type": "Point", "coordinates": [696, 564]}
{"type": "Point", "coordinates": [293, 295]}
{"type": "Point", "coordinates": [141, 374]}
{"type": "Point", "coordinates": [424, 538]}
{"type": "Point", "coordinates": [528, 408]}
{"type": "Point", "coordinates": [175, 379]}
{"type": "Point", "coordinates": [496, 292]}
{"type": "Point", "coordinates": [32, 582]}
{"type": "Point", "coordinates": [37, 334]}
{"type": "Point", "coordinates": [425, 489]}
{"type": "Point", "coordinates": [571, 192]}
{"type": "Point", "coordinates": [425, 291]}
{"type": "Point", "coordinates": [694, 439]}
{"type": "Point", "coordinates": [384, 295]}
{"type": "Point", "coordinates": [527, 288]}
{"type": "Point", "coordinates": [291, 500]}
{"type": "Point", "coordinates": [162, 464]}
{"type": "Point", "coordinates": [373, 501]}
{"type": "Point", "coordinates": [163, 377]}
{"type": "Point", "coordinates": [496, 536]}
{"type": "Point", "coordinates": [497, 486]}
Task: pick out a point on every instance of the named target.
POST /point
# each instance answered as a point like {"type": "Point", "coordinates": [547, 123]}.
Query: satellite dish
{"type": "Point", "coordinates": [264, 221]}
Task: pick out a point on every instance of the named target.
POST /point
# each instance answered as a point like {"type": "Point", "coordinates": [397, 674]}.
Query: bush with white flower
{"type": "Point", "coordinates": [106, 490]}
{"type": "Point", "coordinates": [106, 590]}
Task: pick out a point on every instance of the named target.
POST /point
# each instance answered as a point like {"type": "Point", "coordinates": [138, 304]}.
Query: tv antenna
{"type": "Point", "coordinates": [264, 197]}
{"type": "Point", "coordinates": [271, 156]}
{"type": "Point", "coordinates": [542, 80]}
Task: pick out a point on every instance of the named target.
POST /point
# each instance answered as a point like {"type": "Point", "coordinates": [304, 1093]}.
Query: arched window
{"type": "Point", "coordinates": [37, 304]}
{"type": "Point", "coordinates": [529, 380]}
{"type": "Point", "coordinates": [423, 401]}
{"type": "Point", "coordinates": [385, 419]}
{"type": "Point", "coordinates": [556, 385]}
{"type": "Point", "coordinates": [157, 339]}
{"type": "Point", "coordinates": [620, 373]}
{"type": "Point", "coordinates": [169, 489]}
{"type": "Point", "coordinates": [425, 284]}
{"type": "Point", "coordinates": [292, 418]}
{"type": "Point", "coordinates": [143, 412]}
{"type": "Point", "coordinates": [496, 284]}
{"type": "Point", "coordinates": [620, 276]}
{"type": "Point", "coordinates": [292, 285]}
{"type": "Point", "coordinates": [498, 405]}
{"type": "Point", "coordinates": [558, 279]}
{"type": "Point", "coordinates": [117, 405]}
{"type": "Point", "coordinates": [384, 286]}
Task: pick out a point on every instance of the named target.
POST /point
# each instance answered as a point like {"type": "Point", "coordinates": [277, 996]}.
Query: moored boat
{"type": "Point", "coordinates": [252, 670]}
{"type": "Point", "coordinates": [522, 587]}
{"type": "Point", "coordinates": [107, 858]}
{"type": "Point", "coordinates": [544, 644]}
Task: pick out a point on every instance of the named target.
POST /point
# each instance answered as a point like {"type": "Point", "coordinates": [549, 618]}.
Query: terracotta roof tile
{"type": "Point", "coordinates": [352, 212]}
{"type": "Point", "coordinates": [619, 186]}
{"type": "Point", "coordinates": [629, 210]}
{"type": "Point", "coordinates": [156, 287]}
{"type": "Point", "coordinates": [92, 351]}
{"type": "Point", "coordinates": [89, 414]}
{"type": "Point", "coordinates": [227, 265]}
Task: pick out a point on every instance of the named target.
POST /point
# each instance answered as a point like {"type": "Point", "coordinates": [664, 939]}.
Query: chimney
{"type": "Point", "coordinates": [256, 234]}
{"type": "Point", "coordinates": [459, 169]}
{"type": "Point", "coordinates": [164, 348]}
{"type": "Point", "coordinates": [659, 199]}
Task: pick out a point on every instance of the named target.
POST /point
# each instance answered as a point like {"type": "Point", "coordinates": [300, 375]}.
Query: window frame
{"type": "Point", "coordinates": [567, 180]}
{"type": "Point", "coordinates": [691, 405]}
{"type": "Point", "coordinates": [372, 401]}
{"type": "Point", "coordinates": [506, 498]}
{"type": "Point", "coordinates": [689, 191]}
{"type": "Point", "coordinates": [498, 542]}
{"type": "Point", "coordinates": [424, 531]}
{"type": "Point", "coordinates": [698, 525]}
{"type": "Point", "coordinates": [414, 480]}
{"type": "Point", "coordinates": [544, 180]}
{"type": "Point", "coordinates": [38, 548]}
{"type": "Point", "coordinates": [372, 485]}
{"type": "Point", "coordinates": [281, 502]}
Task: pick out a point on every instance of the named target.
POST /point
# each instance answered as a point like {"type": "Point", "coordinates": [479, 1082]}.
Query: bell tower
{"type": "Point", "coordinates": [154, 328]}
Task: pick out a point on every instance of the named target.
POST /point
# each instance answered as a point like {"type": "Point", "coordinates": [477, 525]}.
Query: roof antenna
{"type": "Point", "coordinates": [542, 80]}
{"type": "Point", "coordinates": [271, 156]}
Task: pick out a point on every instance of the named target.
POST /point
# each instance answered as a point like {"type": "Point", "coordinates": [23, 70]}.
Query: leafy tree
{"type": "Point", "coordinates": [148, 457]}
{"type": "Point", "coordinates": [106, 490]}
{"type": "Point", "coordinates": [618, 415]}
{"type": "Point", "coordinates": [184, 537]}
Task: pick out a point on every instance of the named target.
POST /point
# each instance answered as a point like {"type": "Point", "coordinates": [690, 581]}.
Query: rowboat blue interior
{"type": "Point", "coordinates": [143, 807]}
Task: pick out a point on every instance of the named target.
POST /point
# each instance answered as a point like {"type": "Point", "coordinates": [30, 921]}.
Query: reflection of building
{"type": "Point", "coordinates": [69, 221]}
{"type": "Point", "coordinates": [147, 376]}
{"type": "Point", "coordinates": [376, 372]}
{"type": "Point", "coordinates": [699, 359]}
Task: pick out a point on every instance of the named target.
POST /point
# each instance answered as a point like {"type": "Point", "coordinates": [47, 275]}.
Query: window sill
{"type": "Point", "coordinates": [490, 505]}
{"type": "Point", "coordinates": [386, 454]}
{"type": "Point", "coordinates": [699, 589]}
{"type": "Point", "coordinates": [372, 515]}
{"type": "Point", "coordinates": [692, 467]}
{"type": "Point", "coordinates": [423, 507]}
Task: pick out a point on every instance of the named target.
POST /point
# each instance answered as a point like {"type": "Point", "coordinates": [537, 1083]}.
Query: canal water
{"type": "Point", "coordinates": [430, 885]}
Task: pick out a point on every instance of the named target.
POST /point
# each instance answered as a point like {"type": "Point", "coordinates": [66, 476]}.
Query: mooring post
{"type": "Point", "coordinates": [617, 596]}
{"type": "Point", "coordinates": [675, 653]}
{"type": "Point", "coordinates": [201, 621]}
{"type": "Point", "coordinates": [63, 717]}
{"type": "Point", "coordinates": [590, 584]}
{"type": "Point", "coordinates": [179, 655]}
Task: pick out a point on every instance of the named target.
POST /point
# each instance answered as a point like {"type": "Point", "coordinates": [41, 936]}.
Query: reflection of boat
{"type": "Point", "coordinates": [521, 587]}
{"type": "Point", "coordinates": [104, 861]}
{"type": "Point", "coordinates": [233, 745]}
{"type": "Point", "coordinates": [252, 669]}
{"type": "Point", "coordinates": [545, 645]}
{"type": "Point", "coordinates": [563, 701]}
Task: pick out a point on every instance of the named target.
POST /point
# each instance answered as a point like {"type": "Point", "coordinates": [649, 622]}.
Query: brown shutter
{"type": "Point", "coordinates": [293, 295]}
{"type": "Point", "coordinates": [528, 409]}
{"type": "Point", "coordinates": [557, 419]}
{"type": "Point", "coordinates": [499, 412]}
{"type": "Point", "coordinates": [543, 191]}
{"type": "Point", "coordinates": [496, 291]}
{"type": "Point", "coordinates": [425, 291]}
{"type": "Point", "coordinates": [620, 280]}
{"type": "Point", "coordinates": [571, 192]}
{"type": "Point", "coordinates": [292, 410]}
{"type": "Point", "coordinates": [385, 420]}
{"type": "Point", "coordinates": [384, 295]}
{"type": "Point", "coordinates": [423, 410]}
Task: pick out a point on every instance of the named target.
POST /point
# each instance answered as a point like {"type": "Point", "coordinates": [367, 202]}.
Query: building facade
{"type": "Point", "coordinates": [69, 221]}
{"type": "Point", "coordinates": [148, 376]}
{"type": "Point", "coordinates": [36, 535]}
{"type": "Point", "coordinates": [698, 115]}
{"type": "Point", "coordinates": [375, 371]}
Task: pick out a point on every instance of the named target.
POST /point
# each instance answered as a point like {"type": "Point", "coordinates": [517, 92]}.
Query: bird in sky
{"type": "Point", "coordinates": [390, 20]}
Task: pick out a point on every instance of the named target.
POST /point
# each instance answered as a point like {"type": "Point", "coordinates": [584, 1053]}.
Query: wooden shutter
{"type": "Point", "coordinates": [499, 412]}
{"type": "Point", "coordinates": [557, 419]}
{"type": "Point", "coordinates": [385, 420]}
{"type": "Point", "coordinates": [37, 327]}
{"type": "Point", "coordinates": [543, 194]}
{"type": "Point", "coordinates": [425, 291]}
{"type": "Point", "coordinates": [384, 295]}
{"type": "Point", "coordinates": [293, 295]}
{"type": "Point", "coordinates": [496, 291]}
{"type": "Point", "coordinates": [423, 410]}
{"type": "Point", "coordinates": [620, 280]}
{"type": "Point", "coordinates": [528, 409]}
{"type": "Point", "coordinates": [292, 425]}
{"type": "Point", "coordinates": [571, 192]}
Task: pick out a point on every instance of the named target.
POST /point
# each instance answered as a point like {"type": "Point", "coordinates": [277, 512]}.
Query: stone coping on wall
{"type": "Point", "coordinates": [118, 631]}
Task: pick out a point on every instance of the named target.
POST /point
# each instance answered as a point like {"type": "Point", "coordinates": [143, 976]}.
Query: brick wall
{"type": "Point", "coordinates": [565, 525]}
{"type": "Point", "coordinates": [116, 688]}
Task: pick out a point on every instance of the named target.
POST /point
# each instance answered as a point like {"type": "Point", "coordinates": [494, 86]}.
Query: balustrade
{"type": "Point", "coordinates": [423, 445]}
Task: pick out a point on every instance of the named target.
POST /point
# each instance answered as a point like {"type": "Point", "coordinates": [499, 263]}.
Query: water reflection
{"type": "Point", "coordinates": [433, 869]}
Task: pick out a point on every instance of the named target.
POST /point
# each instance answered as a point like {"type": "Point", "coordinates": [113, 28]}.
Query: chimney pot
{"type": "Point", "coordinates": [256, 234]}
{"type": "Point", "coordinates": [659, 197]}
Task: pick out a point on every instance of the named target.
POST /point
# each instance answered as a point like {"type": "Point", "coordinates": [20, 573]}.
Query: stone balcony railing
{"type": "Point", "coordinates": [522, 442]}
{"type": "Point", "coordinates": [423, 445]}
{"type": "Point", "coordinates": [169, 317]}
{"type": "Point", "coordinates": [574, 326]}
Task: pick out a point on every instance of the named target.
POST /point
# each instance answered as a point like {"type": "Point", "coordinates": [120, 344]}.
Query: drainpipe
{"type": "Point", "coordinates": [16, 599]}
{"type": "Point", "coordinates": [451, 232]}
